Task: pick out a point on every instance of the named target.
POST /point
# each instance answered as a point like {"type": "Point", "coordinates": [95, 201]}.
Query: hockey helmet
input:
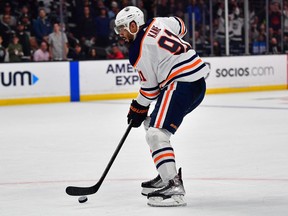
{"type": "Point", "coordinates": [126, 16]}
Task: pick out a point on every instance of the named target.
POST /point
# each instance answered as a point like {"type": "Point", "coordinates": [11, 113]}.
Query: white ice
{"type": "Point", "coordinates": [233, 150]}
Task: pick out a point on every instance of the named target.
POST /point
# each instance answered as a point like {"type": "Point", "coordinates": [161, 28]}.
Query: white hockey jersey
{"type": "Point", "coordinates": [162, 57]}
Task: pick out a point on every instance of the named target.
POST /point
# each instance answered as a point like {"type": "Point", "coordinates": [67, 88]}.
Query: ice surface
{"type": "Point", "coordinates": [233, 150]}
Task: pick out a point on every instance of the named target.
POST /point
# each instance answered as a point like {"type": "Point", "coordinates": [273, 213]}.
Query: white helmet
{"type": "Point", "coordinates": [126, 16]}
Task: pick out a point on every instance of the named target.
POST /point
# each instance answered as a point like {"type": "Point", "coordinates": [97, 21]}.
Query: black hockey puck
{"type": "Point", "coordinates": [82, 199]}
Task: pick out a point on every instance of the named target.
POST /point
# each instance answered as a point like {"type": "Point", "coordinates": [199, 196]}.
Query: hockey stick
{"type": "Point", "coordinates": [82, 191]}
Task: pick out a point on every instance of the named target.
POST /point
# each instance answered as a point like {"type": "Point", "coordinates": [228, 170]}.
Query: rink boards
{"type": "Point", "coordinates": [22, 83]}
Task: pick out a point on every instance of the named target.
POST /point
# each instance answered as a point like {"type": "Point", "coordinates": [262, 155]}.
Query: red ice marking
{"type": "Point", "coordinates": [141, 179]}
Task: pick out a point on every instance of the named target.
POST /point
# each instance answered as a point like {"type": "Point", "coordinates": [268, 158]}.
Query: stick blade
{"type": "Point", "coordinates": [81, 191]}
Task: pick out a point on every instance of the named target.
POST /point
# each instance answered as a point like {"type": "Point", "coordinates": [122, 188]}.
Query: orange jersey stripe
{"type": "Point", "coordinates": [140, 51]}
{"type": "Point", "coordinates": [164, 105]}
{"type": "Point", "coordinates": [149, 94]}
{"type": "Point", "coordinates": [171, 76]}
{"type": "Point", "coordinates": [183, 27]}
{"type": "Point", "coordinates": [162, 156]}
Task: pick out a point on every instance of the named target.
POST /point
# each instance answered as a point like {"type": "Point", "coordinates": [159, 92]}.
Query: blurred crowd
{"type": "Point", "coordinates": [53, 30]}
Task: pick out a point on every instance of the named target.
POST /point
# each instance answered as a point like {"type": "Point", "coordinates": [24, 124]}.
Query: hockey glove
{"type": "Point", "coordinates": [137, 113]}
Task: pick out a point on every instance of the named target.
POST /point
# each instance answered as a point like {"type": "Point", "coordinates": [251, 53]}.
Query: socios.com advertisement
{"type": "Point", "coordinates": [246, 71]}
{"type": "Point", "coordinates": [34, 80]}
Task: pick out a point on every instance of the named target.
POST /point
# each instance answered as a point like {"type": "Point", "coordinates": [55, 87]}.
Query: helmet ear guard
{"type": "Point", "coordinates": [126, 16]}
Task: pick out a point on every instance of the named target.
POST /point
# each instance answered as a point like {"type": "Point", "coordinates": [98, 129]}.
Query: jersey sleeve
{"type": "Point", "coordinates": [176, 25]}
{"type": "Point", "coordinates": [147, 95]}
{"type": "Point", "coordinates": [149, 90]}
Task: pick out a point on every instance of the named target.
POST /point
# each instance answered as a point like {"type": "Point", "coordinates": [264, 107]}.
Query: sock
{"type": "Point", "coordinates": [162, 152]}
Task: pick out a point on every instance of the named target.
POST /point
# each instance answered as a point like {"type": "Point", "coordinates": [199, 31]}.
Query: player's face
{"type": "Point", "coordinates": [127, 37]}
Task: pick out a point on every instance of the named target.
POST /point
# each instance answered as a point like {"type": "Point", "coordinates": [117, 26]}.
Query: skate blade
{"type": "Point", "coordinates": [174, 201]}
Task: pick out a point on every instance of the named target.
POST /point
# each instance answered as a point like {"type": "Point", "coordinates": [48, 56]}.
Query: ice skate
{"type": "Point", "coordinates": [169, 196]}
{"type": "Point", "coordinates": [152, 185]}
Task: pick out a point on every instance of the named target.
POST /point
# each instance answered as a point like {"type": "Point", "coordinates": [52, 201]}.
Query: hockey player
{"type": "Point", "coordinates": [172, 73]}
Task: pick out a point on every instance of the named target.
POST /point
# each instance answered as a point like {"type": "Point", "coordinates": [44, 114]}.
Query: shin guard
{"type": "Point", "coordinates": [162, 152]}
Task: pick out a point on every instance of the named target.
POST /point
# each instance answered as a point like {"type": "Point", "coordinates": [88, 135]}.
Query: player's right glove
{"type": "Point", "coordinates": [137, 113]}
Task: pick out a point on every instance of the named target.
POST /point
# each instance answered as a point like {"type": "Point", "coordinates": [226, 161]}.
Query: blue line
{"type": "Point", "coordinates": [74, 81]}
{"type": "Point", "coordinates": [245, 107]}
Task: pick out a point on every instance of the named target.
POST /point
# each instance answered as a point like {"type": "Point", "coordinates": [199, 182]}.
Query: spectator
{"type": "Point", "coordinates": [98, 7]}
{"type": "Point", "coordinates": [8, 11]}
{"type": "Point", "coordinates": [199, 42]}
{"type": "Point", "coordinates": [34, 44]}
{"type": "Point", "coordinates": [220, 23]}
{"type": "Point", "coordinates": [285, 47]}
{"type": "Point", "coordinates": [24, 41]}
{"type": "Point", "coordinates": [87, 28]}
{"type": "Point", "coordinates": [103, 28]}
{"type": "Point", "coordinates": [217, 48]}
{"type": "Point", "coordinates": [274, 46]}
{"type": "Point", "coordinates": [33, 8]}
{"type": "Point", "coordinates": [86, 3]}
{"type": "Point", "coordinates": [15, 50]}
{"type": "Point", "coordinates": [262, 32]}
{"type": "Point", "coordinates": [285, 18]}
{"type": "Point", "coordinates": [237, 40]}
{"type": "Point", "coordinates": [47, 5]}
{"type": "Point", "coordinates": [26, 21]}
{"type": "Point", "coordinates": [2, 51]}
{"type": "Point", "coordinates": [77, 53]}
{"type": "Point", "coordinates": [254, 31]}
{"type": "Point", "coordinates": [115, 52]}
{"type": "Point", "coordinates": [6, 30]}
{"type": "Point", "coordinates": [274, 19]}
{"type": "Point", "coordinates": [58, 43]}
{"type": "Point", "coordinates": [114, 10]}
{"type": "Point", "coordinates": [140, 5]}
{"type": "Point", "coordinates": [24, 11]}
{"type": "Point", "coordinates": [42, 53]}
{"type": "Point", "coordinates": [123, 47]}
{"type": "Point", "coordinates": [193, 7]}
{"type": "Point", "coordinates": [42, 27]}
{"type": "Point", "coordinates": [92, 54]}
{"type": "Point", "coordinates": [25, 18]}
{"type": "Point", "coordinates": [112, 15]}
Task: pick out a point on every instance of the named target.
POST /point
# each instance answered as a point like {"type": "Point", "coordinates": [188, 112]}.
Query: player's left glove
{"type": "Point", "coordinates": [137, 113]}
